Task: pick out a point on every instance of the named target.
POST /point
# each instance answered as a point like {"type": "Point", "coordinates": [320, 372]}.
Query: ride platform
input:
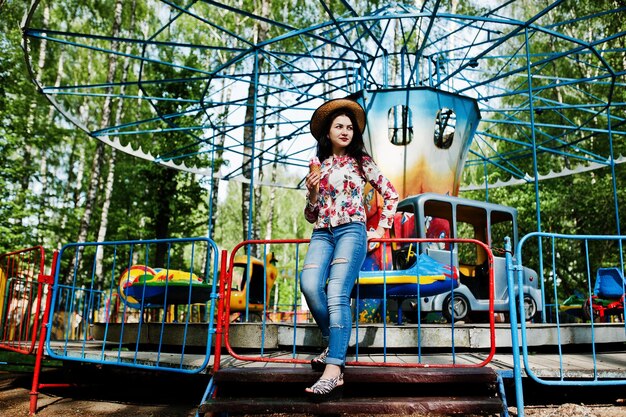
{"type": "Point", "coordinates": [555, 351]}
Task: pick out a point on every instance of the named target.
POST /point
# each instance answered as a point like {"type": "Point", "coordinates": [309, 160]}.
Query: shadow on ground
{"type": "Point", "coordinates": [108, 391]}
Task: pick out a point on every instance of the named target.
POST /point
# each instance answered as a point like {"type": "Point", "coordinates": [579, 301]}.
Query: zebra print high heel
{"type": "Point", "coordinates": [326, 389]}
{"type": "Point", "coordinates": [319, 362]}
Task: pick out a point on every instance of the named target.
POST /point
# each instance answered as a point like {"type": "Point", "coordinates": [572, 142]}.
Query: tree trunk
{"type": "Point", "coordinates": [43, 170]}
{"type": "Point", "coordinates": [165, 189]}
{"type": "Point", "coordinates": [110, 181]}
{"type": "Point", "coordinates": [219, 151]}
{"type": "Point", "coordinates": [94, 182]}
{"type": "Point", "coordinates": [98, 158]}
{"type": "Point", "coordinates": [258, 191]}
{"type": "Point", "coordinates": [247, 212]}
{"type": "Point", "coordinates": [104, 215]}
{"type": "Point", "coordinates": [272, 198]}
{"type": "Point", "coordinates": [29, 150]}
{"type": "Point", "coordinates": [76, 169]}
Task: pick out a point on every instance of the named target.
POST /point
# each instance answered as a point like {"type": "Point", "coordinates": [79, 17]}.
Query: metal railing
{"type": "Point", "coordinates": [111, 304]}
{"type": "Point", "coordinates": [239, 291]}
{"type": "Point", "coordinates": [573, 268]}
{"type": "Point", "coordinates": [22, 292]}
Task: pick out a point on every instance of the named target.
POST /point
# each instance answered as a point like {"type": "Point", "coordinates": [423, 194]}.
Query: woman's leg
{"type": "Point", "coordinates": [350, 251]}
{"type": "Point", "coordinates": [313, 278]}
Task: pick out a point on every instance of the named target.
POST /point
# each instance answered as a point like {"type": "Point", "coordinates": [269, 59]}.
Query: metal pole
{"type": "Point", "coordinates": [535, 170]}
{"type": "Point", "coordinates": [517, 365]}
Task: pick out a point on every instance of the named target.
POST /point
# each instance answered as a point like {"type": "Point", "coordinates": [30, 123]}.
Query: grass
{"type": "Point", "coordinates": [18, 362]}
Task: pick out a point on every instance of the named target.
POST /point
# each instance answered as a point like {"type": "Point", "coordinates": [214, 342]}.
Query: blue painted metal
{"type": "Point", "coordinates": [265, 306]}
{"type": "Point", "coordinates": [563, 380]}
{"type": "Point", "coordinates": [424, 266]}
{"type": "Point", "coordinates": [294, 306]}
{"type": "Point", "coordinates": [325, 51]}
{"type": "Point", "coordinates": [505, 407]}
{"type": "Point", "coordinates": [208, 392]}
{"type": "Point", "coordinates": [614, 185]}
{"type": "Point", "coordinates": [536, 174]}
{"type": "Point", "coordinates": [75, 303]}
{"type": "Point", "coordinates": [515, 345]}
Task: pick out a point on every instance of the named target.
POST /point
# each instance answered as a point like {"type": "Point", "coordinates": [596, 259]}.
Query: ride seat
{"type": "Point", "coordinates": [609, 283]}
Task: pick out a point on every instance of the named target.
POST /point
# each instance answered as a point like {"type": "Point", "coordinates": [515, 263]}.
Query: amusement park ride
{"type": "Point", "coordinates": [491, 91]}
{"type": "Point", "coordinates": [475, 97]}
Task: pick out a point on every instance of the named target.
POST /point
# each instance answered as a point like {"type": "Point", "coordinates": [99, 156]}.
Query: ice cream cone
{"type": "Point", "coordinates": [315, 165]}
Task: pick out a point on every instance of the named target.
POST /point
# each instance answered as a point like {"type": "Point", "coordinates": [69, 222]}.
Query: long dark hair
{"type": "Point", "coordinates": [356, 148]}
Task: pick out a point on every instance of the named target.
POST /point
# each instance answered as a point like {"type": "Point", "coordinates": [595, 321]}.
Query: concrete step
{"type": "Point", "coordinates": [431, 406]}
{"type": "Point", "coordinates": [360, 374]}
{"type": "Point", "coordinates": [373, 390]}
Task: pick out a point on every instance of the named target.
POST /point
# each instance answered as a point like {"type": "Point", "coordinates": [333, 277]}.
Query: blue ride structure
{"type": "Point", "coordinates": [459, 96]}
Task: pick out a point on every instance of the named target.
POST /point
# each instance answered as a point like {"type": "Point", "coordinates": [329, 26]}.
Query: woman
{"type": "Point", "coordinates": [339, 240]}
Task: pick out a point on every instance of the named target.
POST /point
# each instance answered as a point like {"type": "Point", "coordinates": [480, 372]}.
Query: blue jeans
{"type": "Point", "coordinates": [330, 270]}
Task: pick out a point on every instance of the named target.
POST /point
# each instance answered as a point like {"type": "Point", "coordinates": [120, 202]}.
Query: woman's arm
{"type": "Point", "coordinates": [312, 208]}
{"type": "Point", "coordinates": [390, 197]}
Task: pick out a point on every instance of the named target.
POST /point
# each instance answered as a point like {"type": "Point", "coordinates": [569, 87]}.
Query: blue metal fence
{"type": "Point", "coordinates": [577, 272]}
{"type": "Point", "coordinates": [115, 303]}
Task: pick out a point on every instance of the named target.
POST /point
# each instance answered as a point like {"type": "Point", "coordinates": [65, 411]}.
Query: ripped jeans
{"type": "Point", "coordinates": [330, 270]}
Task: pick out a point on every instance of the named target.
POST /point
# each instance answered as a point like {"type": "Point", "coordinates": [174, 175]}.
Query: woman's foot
{"type": "Point", "coordinates": [326, 388]}
{"type": "Point", "coordinates": [319, 362]}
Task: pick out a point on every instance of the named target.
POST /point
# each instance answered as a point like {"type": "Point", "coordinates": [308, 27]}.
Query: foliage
{"type": "Point", "coordinates": [46, 161]}
{"type": "Point", "coordinates": [26, 138]}
{"type": "Point", "coordinates": [578, 204]}
{"type": "Point", "coordinates": [288, 224]}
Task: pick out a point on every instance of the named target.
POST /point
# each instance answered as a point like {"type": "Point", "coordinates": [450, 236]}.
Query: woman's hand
{"type": "Point", "coordinates": [313, 184]}
{"type": "Point", "coordinates": [375, 234]}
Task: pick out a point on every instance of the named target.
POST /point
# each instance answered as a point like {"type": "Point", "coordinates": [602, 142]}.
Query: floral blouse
{"type": "Point", "coordinates": [340, 196]}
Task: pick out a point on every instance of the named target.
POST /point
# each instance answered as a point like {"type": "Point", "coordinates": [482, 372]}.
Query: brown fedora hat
{"type": "Point", "coordinates": [318, 120]}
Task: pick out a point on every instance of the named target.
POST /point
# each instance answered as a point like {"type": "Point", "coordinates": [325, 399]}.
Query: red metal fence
{"type": "Point", "coordinates": [237, 292]}
{"type": "Point", "coordinates": [23, 286]}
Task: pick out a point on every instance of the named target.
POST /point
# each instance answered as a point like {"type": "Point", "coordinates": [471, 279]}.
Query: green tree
{"type": "Point", "coordinates": [576, 204]}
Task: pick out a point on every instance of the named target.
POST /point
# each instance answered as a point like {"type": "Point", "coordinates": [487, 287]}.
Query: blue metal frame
{"type": "Point", "coordinates": [75, 249]}
{"type": "Point", "coordinates": [585, 239]}
{"type": "Point", "coordinates": [334, 50]}
{"type": "Point", "coordinates": [514, 272]}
